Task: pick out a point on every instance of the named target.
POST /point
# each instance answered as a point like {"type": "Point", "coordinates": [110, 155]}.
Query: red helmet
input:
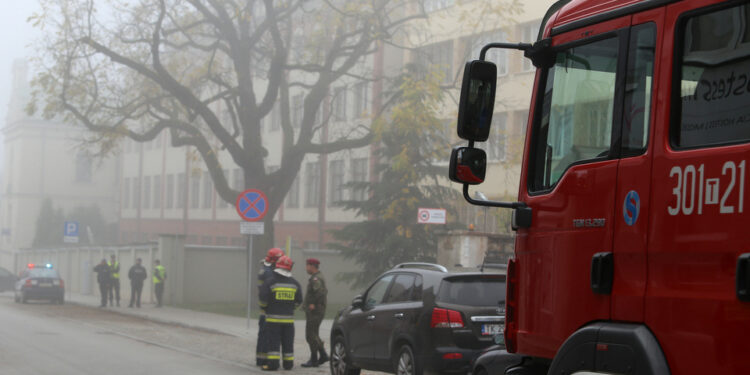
{"type": "Point", "coordinates": [285, 263]}
{"type": "Point", "coordinates": [274, 254]}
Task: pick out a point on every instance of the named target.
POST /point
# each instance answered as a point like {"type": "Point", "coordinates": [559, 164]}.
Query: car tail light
{"type": "Point", "coordinates": [27, 283]}
{"type": "Point", "coordinates": [511, 307]}
{"type": "Point", "coordinates": [444, 318]}
{"type": "Point", "coordinates": [453, 356]}
{"type": "Point", "coordinates": [31, 282]}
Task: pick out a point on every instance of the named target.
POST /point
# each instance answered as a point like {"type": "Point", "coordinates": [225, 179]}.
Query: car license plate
{"type": "Point", "coordinates": [45, 284]}
{"type": "Point", "coordinates": [491, 329]}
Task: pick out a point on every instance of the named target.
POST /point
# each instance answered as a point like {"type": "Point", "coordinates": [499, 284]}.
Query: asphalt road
{"type": "Point", "coordinates": [41, 338]}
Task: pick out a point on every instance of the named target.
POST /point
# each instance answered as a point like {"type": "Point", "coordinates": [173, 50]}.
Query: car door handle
{"type": "Point", "coordinates": [370, 318]}
{"type": "Point", "coordinates": [398, 315]}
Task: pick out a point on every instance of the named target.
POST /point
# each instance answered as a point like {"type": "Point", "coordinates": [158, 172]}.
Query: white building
{"type": "Point", "coordinates": [44, 160]}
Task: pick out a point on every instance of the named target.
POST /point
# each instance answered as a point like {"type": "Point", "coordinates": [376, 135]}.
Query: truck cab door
{"type": "Point", "coordinates": [571, 176]}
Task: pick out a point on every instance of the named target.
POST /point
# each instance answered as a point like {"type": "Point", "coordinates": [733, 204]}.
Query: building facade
{"type": "Point", "coordinates": [45, 160]}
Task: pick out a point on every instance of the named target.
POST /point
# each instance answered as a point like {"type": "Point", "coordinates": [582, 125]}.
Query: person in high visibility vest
{"type": "Point", "coordinates": [114, 285]}
{"type": "Point", "coordinates": [281, 295]}
{"type": "Point", "coordinates": [160, 276]}
{"type": "Point", "coordinates": [265, 273]}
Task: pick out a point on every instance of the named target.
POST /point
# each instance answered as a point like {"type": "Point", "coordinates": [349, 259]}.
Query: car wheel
{"type": "Point", "coordinates": [339, 362]}
{"type": "Point", "coordinates": [405, 363]}
{"type": "Point", "coordinates": [24, 299]}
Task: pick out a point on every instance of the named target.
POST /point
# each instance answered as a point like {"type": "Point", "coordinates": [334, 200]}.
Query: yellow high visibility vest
{"type": "Point", "coordinates": [161, 272]}
{"type": "Point", "coordinates": [113, 266]}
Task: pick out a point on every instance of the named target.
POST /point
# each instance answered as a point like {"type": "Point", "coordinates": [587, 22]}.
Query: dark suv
{"type": "Point", "coordinates": [419, 317]}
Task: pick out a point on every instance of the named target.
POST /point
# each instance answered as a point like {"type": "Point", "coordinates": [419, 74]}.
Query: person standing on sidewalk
{"type": "Point", "coordinates": [266, 272]}
{"type": "Point", "coordinates": [315, 309]}
{"type": "Point", "coordinates": [281, 294]}
{"type": "Point", "coordinates": [136, 274]}
{"type": "Point", "coordinates": [103, 278]}
{"type": "Point", "coordinates": [114, 285]}
{"type": "Point", "coordinates": [160, 277]}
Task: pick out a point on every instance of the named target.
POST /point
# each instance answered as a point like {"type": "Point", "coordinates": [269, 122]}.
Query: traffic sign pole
{"type": "Point", "coordinates": [252, 206]}
{"type": "Point", "coordinates": [249, 275]}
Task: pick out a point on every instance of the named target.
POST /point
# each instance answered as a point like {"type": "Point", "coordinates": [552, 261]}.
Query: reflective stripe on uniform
{"type": "Point", "coordinates": [276, 320]}
{"type": "Point", "coordinates": [273, 355]}
{"type": "Point", "coordinates": [289, 358]}
{"type": "Point", "coordinates": [283, 285]}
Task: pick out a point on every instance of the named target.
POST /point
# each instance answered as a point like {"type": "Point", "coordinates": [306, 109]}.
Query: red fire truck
{"type": "Point", "coordinates": [632, 253]}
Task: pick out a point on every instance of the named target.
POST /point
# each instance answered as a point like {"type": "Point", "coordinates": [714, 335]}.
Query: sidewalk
{"type": "Point", "coordinates": [216, 323]}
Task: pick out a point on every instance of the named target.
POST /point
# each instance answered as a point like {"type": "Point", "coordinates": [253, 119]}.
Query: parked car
{"type": "Point", "coordinates": [419, 317]}
{"type": "Point", "coordinates": [7, 280]}
{"type": "Point", "coordinates": [40, 281]}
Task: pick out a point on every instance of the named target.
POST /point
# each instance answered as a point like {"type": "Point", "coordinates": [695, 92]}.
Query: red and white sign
{"type": "Point", "coordinates": [431, 216]}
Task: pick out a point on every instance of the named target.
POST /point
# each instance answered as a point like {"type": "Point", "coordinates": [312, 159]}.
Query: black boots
{"type": "Point", "coordinates": [313, 362]}
{"type": "Point", "coordinates": [323, 358]}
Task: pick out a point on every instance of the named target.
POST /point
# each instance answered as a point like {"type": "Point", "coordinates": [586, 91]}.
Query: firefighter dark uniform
{"type": "Point", "coordinates": [114, 285]}
{"type": "Point", "coordinates": [265, 273]}
{"type": "Point", "coordinates": [315, 309]}
{"type": "Point", "coordinates": [103, 277]}
{"type": "Point", "coordinates": [280, 295]}
{"type": "Point", "coordinates": [160, 276]}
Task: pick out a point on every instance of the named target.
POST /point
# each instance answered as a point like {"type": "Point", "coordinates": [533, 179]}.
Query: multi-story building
{"type": "Point", "coordinates": [168, 190]}
{"type": "Point", "coordinates": [44, 160]}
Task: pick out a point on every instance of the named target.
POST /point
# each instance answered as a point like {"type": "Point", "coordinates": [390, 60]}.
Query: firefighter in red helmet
{"type": "Point", "coordinates": [266, 271]}
{"type": "Point", "coordinates": [280, 295]}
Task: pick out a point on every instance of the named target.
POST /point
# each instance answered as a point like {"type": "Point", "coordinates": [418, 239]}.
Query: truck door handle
{"type": "Point", "coordinates": [370, 318]}
{"type": "Point", "coordinates": [602, 273]}
{"type": "Point", "coordinates": [398, 315]}
{"type": "Point", "coordinates": [743, 277]}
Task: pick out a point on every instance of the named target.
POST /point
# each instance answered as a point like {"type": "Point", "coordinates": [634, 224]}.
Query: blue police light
{"type": "Point", "coordinates": [49, 265]}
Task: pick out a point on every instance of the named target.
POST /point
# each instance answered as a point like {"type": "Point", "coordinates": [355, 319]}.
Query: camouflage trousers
{"type": "Point", "coordinates": [312, 327]}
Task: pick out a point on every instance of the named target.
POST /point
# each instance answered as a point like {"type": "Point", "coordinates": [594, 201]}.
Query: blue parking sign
{"type": "Point", "coordinates": [70, 232]}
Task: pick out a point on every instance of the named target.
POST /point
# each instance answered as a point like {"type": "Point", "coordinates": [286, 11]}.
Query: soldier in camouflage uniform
{"type": "Point", "coordinates": [315, 308]}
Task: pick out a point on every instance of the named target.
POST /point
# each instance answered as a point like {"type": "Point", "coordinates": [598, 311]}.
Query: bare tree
{"type": "Point", "coordinates": [208, 72]}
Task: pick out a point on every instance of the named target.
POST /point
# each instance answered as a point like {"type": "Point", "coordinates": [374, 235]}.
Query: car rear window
{"type": "Point", "coordinates": [473, 291]}
{"type": "Point", "coordinates": [43, 272]}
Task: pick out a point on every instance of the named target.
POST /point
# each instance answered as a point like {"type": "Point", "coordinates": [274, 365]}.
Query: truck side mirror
{"type": "Point", "coordinates": [477, 100]}
{"type": "Point", "coordinates": [468, 165]}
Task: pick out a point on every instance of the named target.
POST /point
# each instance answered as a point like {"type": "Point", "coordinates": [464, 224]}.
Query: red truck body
{"type": "Point", "coordinates": [635, 171]}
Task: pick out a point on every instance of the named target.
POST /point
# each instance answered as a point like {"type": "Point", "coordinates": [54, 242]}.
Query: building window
{"type": "Point", "coordinates": [136, 192]}
{"type": "Point", "coordinates": [126, 193]}
{"type": "Point", "coordinates": [292, 197]}
{"type": "Point", "coordinates": [195, 190]}
{"type": "Point", "coordinates": [339, 104]}
{"type": "Point", "coordinates": [181, 190]}
{"type": "Point", "coordinates": [529, 33]}
{"type": "Point", "coordinates": [146, 192]}
{"type": "Point", "coordinates": [312, 184]}
{"type": "Point", "coordinates": [206, 240]}
{"type": "Point", "coordinates": [362, 99]}
{"type": "Point", "coordinates": [495, 145]}
{"type": "Point", "coordinates": [157, 191]}
{"type": "Point", "coordinates": [297, 110]}
{"type": "Point", "coordinates": [238, 183]}
{"type": "Point", "coordinates": [208, 190]}
{"type": "Point", "coordinates": [170, 191]}
{"type": "Point", "coordinates": [437, 57]}
{"type": "Point", "coordinates": [359, 177]}
{"type": "Point", "coordinates": [83, 167]}
{"type": "Point", "coordinates": [434, 5]}
{"type": "Point", "coordinates": [499, 56]}
{"type": "Point", "coordinates": [336, 175]}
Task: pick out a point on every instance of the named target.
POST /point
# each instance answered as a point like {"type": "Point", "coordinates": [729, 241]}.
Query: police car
{"type": "Point", "coordinates": [40, 282]}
